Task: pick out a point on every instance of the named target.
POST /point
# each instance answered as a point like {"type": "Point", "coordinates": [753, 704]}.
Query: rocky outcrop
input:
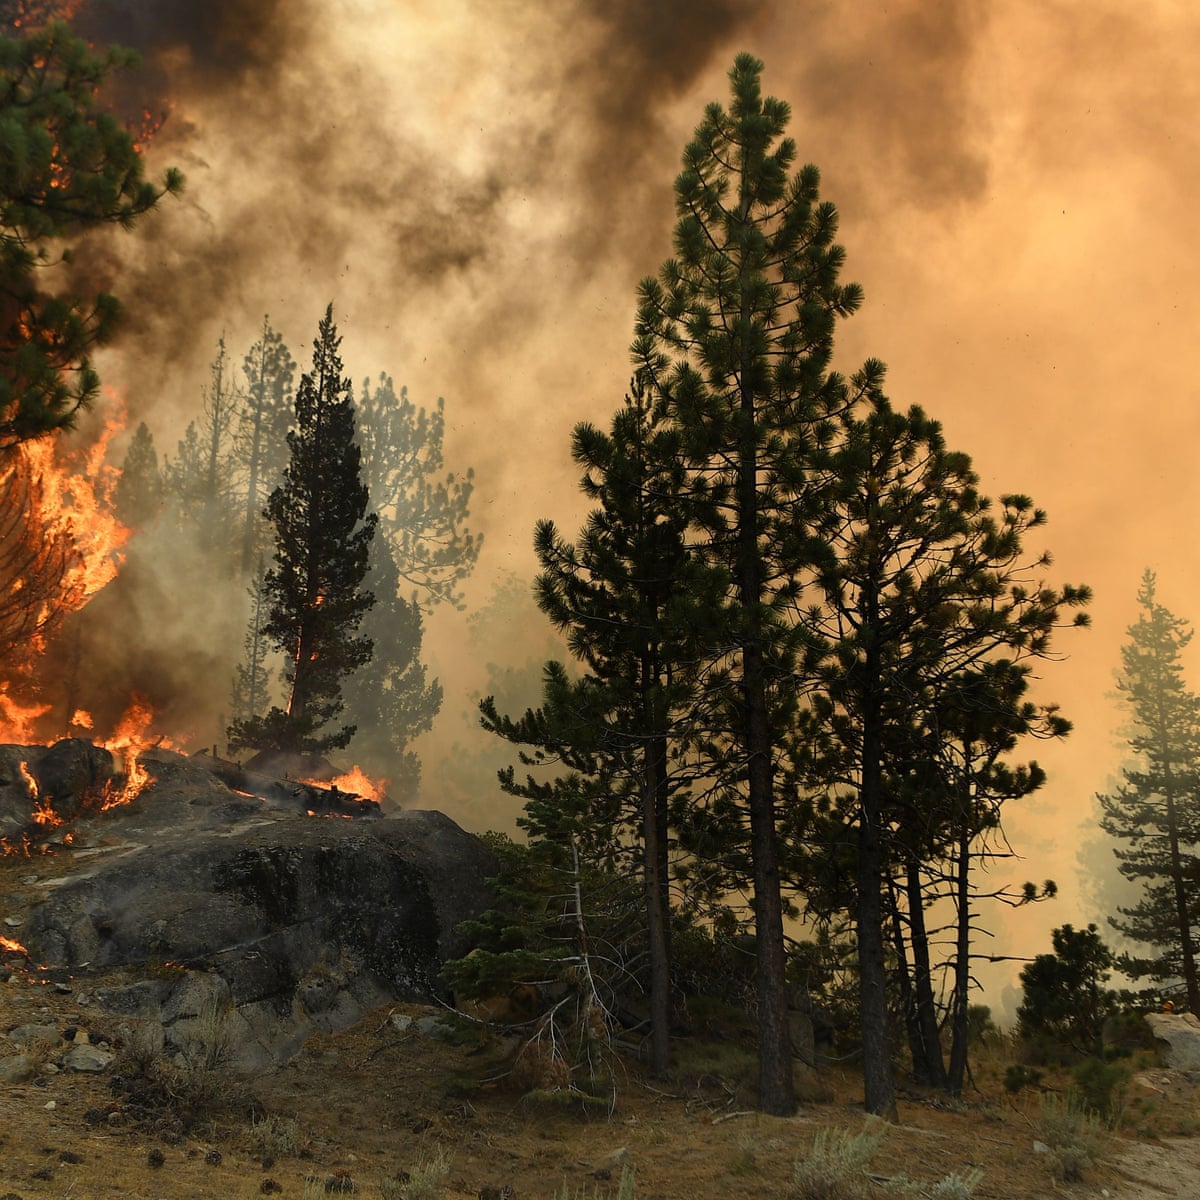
{"type": "Point", "coordinates": [1178, 1035]}
{"type": "Point", "coordinates": [246, 906]}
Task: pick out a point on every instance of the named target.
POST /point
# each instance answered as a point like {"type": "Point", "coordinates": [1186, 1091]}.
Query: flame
{"type": "Point", "coordinates": [17, 720]}
{"type": "Point", "coordinates": [82, 719]}
{"type": "Point", "coordinates": [43, 812]}
{"type": "Point", "coordinates": [12, 946]}
{"type": "Point", "coordinates": [356, 782]}
{"type": "Point", "coordinates": [60, 543]}
{"type": "Point", "coordinates": [129, 740]}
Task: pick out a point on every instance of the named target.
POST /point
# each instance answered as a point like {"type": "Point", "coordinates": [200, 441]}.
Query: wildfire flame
{"type": "Point", "coordinates": [43, 813]}
{"type": "Point", "coordinates": [60, 543]}
{"type": "Point", "coordinates": [12, 946]}
{"type": "Point", "coordinates": [17, 720]}
{"type": "Point", "coordinates": [356, 782]}
{"type": "Point", "coordinates": [129, 741]}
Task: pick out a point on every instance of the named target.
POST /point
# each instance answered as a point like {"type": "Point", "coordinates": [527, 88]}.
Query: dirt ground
{"type": "Point", "coordinates": [360, 1110]}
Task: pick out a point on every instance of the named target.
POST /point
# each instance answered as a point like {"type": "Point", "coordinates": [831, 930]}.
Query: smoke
{"type": "Point", "coordinates": [892, 100]}
{"type": "Point", "coordinates": [479, 188]}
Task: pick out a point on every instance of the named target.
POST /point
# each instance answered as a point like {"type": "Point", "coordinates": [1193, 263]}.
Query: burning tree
{"type": "Point", "coordinates": [35, 557]}
{"type": "Point", "coordinates": [66, 165]}
{"type": "Point", "coordinates": [323, 538]}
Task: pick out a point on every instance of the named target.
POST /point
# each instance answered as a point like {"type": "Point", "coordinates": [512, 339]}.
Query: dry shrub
{"type": "Point", "coordinates": [835, 1167]}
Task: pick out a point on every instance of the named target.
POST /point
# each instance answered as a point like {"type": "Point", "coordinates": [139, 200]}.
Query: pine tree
{"type": "Point", "coordinates": [1156, 811]}
{"type": "Point", "coordinates": [734, 339]}
{"type": "Point", "coordinates": [928, 615]}
{"type": "Point", "coordinates": [632, 603]}
{"type": "Point", "coordinates": [422, 514]}
{"type": "Point", "coordinates": [251, 681]}
{"type": "Point", "coordinates": [260, 441]}
{"type": "Point", "coordinates": [323, 537]}
{"type": "Point", "coordinates": [138, 496]}
{"type": "Point", "coordinates": [66, 166]}
{"type": "Point", "coordinates": [390, 699]}
{"type": "Point", "coordinates": [221, 402]}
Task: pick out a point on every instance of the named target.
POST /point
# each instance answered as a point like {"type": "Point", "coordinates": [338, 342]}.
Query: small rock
{"type": "Point", "coordinates": [80, 1038]}
{"type": "Point", "coordinates": [50, 1105]}
{"type": "Point", "coordinates": [90, 1059]}
{"type": "Point", "coordinates": [14, 922]}
{"type": "Point", "coordinates": [213, 1158]}
{"type": "Point", "coordinates": [96, 1116]}
{"type": "Point", "coordinates": [155, 1157]}
{"type": "Point", "coordinates": [615, 1159]}
{"type": "Point", "coordinates": [17, 1069]}
{"type": "Point", "coordinates": [63, 989]}
{"type": "Point", "coordinates": [23, 1034]}
{"type": "Point", "coordinates": [1040, 1148]}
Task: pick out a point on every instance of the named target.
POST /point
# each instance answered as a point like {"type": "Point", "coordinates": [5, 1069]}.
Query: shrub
{"type": "Point", "coordinates": [1018, 1076]}
{"type": "Point", "coordinates": [836, 1164]}
{"type": "Point", "coordinates": [422, 1181]}
{"type": "Point", "coordinates": [1100, 1087]}
{"type": "Point", "coordinates": [1071, 1133]}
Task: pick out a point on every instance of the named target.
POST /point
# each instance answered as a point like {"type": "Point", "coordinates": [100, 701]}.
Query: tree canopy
{"type": "Point", "coordinates": [67, 165]}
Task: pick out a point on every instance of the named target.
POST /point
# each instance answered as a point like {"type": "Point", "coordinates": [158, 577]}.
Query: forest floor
{"type": "Point", "coordinates": [407, 1110]}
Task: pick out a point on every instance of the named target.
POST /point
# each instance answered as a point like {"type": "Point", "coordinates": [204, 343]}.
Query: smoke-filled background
{"type": "Point", "coordinates": [478, 187]}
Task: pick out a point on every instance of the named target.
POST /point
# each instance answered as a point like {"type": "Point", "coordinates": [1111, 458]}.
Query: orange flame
{"type": "Point", "coordinates": [11, 945]}
{"type": "Point", "coordinates": [17, 720]}
{"type": "Point", "coordinates": [60, 543]}
{"type": "Point", "coordinates": [356, 782]}
{"type": "Point", "coordinates": [129, 740]}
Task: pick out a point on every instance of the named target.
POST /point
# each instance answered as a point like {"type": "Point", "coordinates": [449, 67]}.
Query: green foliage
{"type": "Point", "coordinates": [260, 447]}
{"type": "Point", "coordinates": [390, 699]}
{"type": "Point", "coordinates": [422, 512]}
{"type": "Point", "coordinates": [1018, 1077]}
{"type": "Point", "coordinates": [323, 538]}
{"type": "Point", "coordinates": [1064, 995]}
{"type": "Point", "coordinates": [1155, 813]}
{"type": "Point", "coordinates": [67, 165]}
{"type": "Point", "coordinates": [1100, 1088]}
{"type": "Point", "coordinates": [570, 930]}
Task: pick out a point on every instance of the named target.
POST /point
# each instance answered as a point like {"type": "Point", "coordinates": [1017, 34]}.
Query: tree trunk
{"type": "Point", "coordinates": [908, 1002]}
{"type": "Point", "coordinates": [878, 1085]}
{"type": "Point", "coordinates": [927, 1021]}
{"type": "Point", "coordinates": [776, 1087]}
{"type": "Point", "coordinates": [657, 903]}
{"type": "Point", "coordinates": [960, 998]}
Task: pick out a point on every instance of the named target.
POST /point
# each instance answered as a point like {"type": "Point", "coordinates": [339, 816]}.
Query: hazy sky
{"type": "Point", "coordinates": [479, 186]}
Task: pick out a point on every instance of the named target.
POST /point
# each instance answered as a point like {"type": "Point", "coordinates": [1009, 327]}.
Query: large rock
{"type": "Point", "coordinates": [65, 776]}
{"type": "Point", "coordinates": [290, 922]}
{"type": "Point", "coordinates": [1179, 1035]}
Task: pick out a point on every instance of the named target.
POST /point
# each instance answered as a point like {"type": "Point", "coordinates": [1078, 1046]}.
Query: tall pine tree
{"type": "Point", "coordinates": [1155, 813]}
{"type": "Point", "coordinates": [323, 537]}
{"type": "Point", "coordinates": [734, 339]}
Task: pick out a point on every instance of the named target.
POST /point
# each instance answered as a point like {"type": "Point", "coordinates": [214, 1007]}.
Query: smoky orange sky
{"type": "Point", "coordinates": [478, 187]}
